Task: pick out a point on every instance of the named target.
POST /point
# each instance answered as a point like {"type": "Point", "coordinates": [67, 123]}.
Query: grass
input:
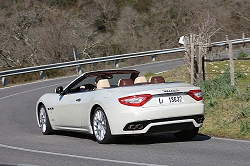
{"type": "Point", "coordinates": [227, 108]}
{"type": "Point", "coordinates": [176, 74]}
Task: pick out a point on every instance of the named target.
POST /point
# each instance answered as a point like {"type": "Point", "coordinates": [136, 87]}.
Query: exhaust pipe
{"type": "Point", "coordinates": [132, 127]}
{"type": "Point", "coordinates": [135, 127]}
{"type": "Point", "coordinates": [139, 126]}
{"type": "Point", "coordinates": [200, 119]}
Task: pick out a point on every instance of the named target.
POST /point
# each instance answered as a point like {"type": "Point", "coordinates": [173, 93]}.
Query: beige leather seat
{"type": "Point", "coordinates": [104, 83]}
{"type": "Point", "coordinates": [140, 80]}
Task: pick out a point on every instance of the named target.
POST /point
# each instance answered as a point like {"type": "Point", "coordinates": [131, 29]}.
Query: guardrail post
{"type": "Point", "coordinates": [75, 54]}
{"type": "Point", "coordinates": [153, 58]}
{"type": "Point", "coordinates": [79, 69]}
{"type": "Point", "coordinates": [192, 59]}
{"type": "Point", "coordinates": [230, 54]}
{"type": "Point", "coordinates": [41, 74]}
{"type": "Point", "coordinates": [227, 46]}
{"type": "Point", "coordinates": [116, 64]}
{"type": "Point", "coordinates": [3, 81]}
{"type": "Point", "coordinates": [210, 49]}
{"type": "Point", "coordinates": [243, 40]}
{"type": "Point", "coordinates": [200, 74]}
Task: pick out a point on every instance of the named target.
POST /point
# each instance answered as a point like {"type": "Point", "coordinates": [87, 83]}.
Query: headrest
{"type": "Point", "coordinates": [104, 83]}
{"type": "Point", "coordinates": [125, 82]}
{"type": "Point", "coordinates": [156, 79]}
{"type": "Point", "coordinates": [141, 79]}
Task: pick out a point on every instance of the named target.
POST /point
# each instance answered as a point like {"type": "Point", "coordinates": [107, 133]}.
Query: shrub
{"type": "Point", "coordinates": [106, 22]}
{"type": "Point", "coordinates": [248, 93]}
{"type": "Point", "coordinates": [121, 3]}
{"type": "Point", "coordinates": [245, 126]}
{"type": "Point", "coordinates": [242, 54]}
{"type": "Point", "coordinates": [240, 74]}
{"type": "Point", "coordinates": [2, 6]}
{"type": "Point", "coordinates": [218, 87]}
{"type": "Point", "coordinates": [61, 3]}
{"type": "Point", "coordinates": [142, 6]}
{"type": "Point", "coordinates": [244, 112]}
{"type": "Point", "coordinates": [100, 23]}
{"type": "Point", "coordinates": [244, 96]}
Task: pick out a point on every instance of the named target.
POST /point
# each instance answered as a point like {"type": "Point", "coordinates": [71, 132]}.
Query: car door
{"type": "Point", "coordinates": [69, 110]}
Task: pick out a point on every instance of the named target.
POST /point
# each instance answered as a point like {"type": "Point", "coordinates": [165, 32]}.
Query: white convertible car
{"type": "Point", "coordinates": [109, 103]}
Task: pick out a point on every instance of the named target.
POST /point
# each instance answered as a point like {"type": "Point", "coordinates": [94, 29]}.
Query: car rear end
{"type": "Point", "coordinates": [157, 108]}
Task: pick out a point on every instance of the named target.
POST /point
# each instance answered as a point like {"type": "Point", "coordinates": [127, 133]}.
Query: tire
{"type": "Point", "coordinates": [44, 122]}
{"type": "Point", "coordinates": [100, 126]}
{"type": "Point", "coordinates": [187, 134]}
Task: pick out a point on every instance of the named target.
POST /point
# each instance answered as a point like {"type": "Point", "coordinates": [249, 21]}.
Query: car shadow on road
{"type": "Point", "coordinates": [75, 135]}
{"type": "Point", "coordinates": [137, 140]}
{"type": "Point", "coordinates": [155, 139]}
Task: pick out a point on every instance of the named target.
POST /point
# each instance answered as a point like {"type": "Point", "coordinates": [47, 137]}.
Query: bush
{"type": "Point", "coordinates": [142, 6]}
{"type": "Point", "coordinates": [248, 93]}
{"type": "Point", "coordinates": [106, 22]}
{"type": "Point", "coordinates": [218, 87]}
{"type": "Point", "coordinates": [100, 23]}
{"type": "Point", "coordinates": [245, 126]}
{"type": "Point", "coordinates": [240, 74]}
{"type": "Point", "coordinates": [242, 54]}
{"type": "Point", "coordinates": [2, 7]}
{"type": "Point", "coordinates": [61, 3]}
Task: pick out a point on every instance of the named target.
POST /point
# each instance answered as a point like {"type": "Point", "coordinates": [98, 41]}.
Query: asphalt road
{"type": "Point", "coordinates": [21, 141]}
{"type": "Point", "coordinates": [224, 54]}
{"type": "Point", "coordinates": [158, 67]}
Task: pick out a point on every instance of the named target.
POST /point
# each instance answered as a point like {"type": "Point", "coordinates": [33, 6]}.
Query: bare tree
{"type": "Point", "coordinates": [107, 15]}
{"type": "Point", "coordinates": [201, 31]}
{"type": "Point", "coordinates": [34, 32]}
{"type": "Point", "coordinates": [19, 40]}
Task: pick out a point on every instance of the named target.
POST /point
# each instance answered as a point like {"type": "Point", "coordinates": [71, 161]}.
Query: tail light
{"type": "Point", "coordinates": [136, 100]}
{"type": "Point", "coordinates": [196, 94]}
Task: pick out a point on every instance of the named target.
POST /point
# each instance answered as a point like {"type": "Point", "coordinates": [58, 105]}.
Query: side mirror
{"type": "Point", "coordinates": [59, 90]}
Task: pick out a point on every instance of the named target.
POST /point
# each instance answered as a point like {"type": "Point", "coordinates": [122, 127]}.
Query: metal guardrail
{"type": "Point", "coordinates": [108, 58]}
{"type": "Point", "coordinates": [236, 41]}
{"type": "Point", "coordinates": [88, 61]}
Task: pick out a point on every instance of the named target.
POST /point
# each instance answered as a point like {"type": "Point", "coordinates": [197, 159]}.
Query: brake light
{"type": "Point", "coordinates": [136, 100]}
{"type": "Point", "coordinates": [196, 94]}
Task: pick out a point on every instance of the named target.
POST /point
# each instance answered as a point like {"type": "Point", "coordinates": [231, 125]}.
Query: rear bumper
{"type": "Point", "coordinates": [188, 123]}
{"type": "Point", "coordinates": [167, 128]}
{"type": "Point", "coordinates": [157, 119]}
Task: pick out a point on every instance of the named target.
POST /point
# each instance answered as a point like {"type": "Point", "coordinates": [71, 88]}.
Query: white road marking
{"type": "Point", "coordinates": [38, 82]}
{"type": "Point", "coordinates": [79, 157]}
{"type": "Point", "coordinates": [28, 91]}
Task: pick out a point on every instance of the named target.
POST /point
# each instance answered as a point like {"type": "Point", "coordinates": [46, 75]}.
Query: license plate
{"type": "Point", "coordinates": [170, 99]}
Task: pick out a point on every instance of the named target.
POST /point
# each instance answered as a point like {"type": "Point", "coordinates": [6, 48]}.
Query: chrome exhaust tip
{"type": "Point", "coordinates": [200, 119]}
{"type": "Point", "coordinates": [137, 126]}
